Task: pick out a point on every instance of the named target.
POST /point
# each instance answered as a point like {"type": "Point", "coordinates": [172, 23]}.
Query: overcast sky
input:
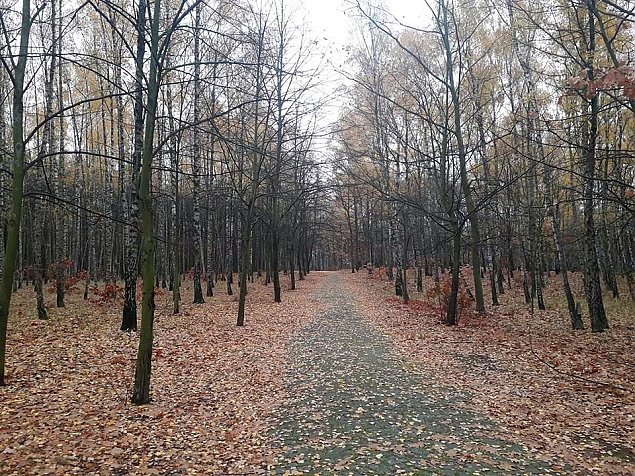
{"type": "Point", "coordinates": [333, 22]}
{"type": "Point", "coordinates": [334, 18]}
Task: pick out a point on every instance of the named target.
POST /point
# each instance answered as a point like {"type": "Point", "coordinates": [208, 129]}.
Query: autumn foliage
{"type": "Point", "coordinates": [66, 410]}
{"type": "Point", "coordinates": [621, 78]}
{"type": "Point", "coordinates": [110, 293]}
{"type": "Point", "coordinates": [441, 295]}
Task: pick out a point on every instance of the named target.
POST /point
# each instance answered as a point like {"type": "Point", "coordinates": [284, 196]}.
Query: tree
{"type": "Point", "coordinates": [129, 316]}
{"type": "Point", "coordinates": [16, 70]}
{"type": "Point", "coordinates": [141, 389]}
{"type": "Point", "coordinates": [591, 268]}
{"type": "Point", "coordinates": [160, 43]}
{"type": "Point", "coordinates": [196, 163]}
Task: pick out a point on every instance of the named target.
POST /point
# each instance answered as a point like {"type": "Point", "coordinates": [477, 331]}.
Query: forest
{"type": "Point", "coordinates": [500, 140]}
{"type": "Point", "coordinates": [171, 157]}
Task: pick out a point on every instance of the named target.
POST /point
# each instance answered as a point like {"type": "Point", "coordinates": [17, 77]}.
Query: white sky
{"type": "Point", "coordinates": [333, 22]}
{"type": "Point", "coordinates": [334, 19]}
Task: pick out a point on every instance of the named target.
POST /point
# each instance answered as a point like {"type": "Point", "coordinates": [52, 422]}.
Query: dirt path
{"type": "Point", "coordinates": [357, 408]}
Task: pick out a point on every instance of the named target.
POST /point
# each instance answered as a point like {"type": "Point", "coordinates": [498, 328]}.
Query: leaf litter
{"type": "Point", "coordinates": [490, 396]}
{"type": "Point", "coordinates": [357, 406]}
{"type": "Point", "coordinates": [65, 409]}
{"type": "Point", "coordinates": [567, 395]}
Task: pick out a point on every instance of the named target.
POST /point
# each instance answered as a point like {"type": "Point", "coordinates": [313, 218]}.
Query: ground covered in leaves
{"type": "Point", "coordinates": [569, 396]}
{"type": "Point", "coordinates": [65, 409]}
{"type": "Point", "coordinates": [341, 378]}
{"type": "Point", "coordinates": [356, 407]}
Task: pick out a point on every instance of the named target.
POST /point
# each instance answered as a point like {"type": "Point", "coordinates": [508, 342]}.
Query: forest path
{"type": "Point", "coordinates": [356, 407]}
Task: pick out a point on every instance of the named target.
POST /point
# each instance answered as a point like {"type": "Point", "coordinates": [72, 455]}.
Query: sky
{"type": "Point", "coordinates": [334, 19]}
{"type": "Point", "coordinates": [333, 22]}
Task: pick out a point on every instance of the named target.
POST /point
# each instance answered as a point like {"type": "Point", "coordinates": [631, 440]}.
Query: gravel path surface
{"type": "Point", "coordinates": [355, 407]}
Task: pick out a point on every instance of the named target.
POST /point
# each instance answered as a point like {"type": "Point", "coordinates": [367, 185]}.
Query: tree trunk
{"type": "Point", "coordinates": [244, 269]}
{"type": "Point", "coordinates": [59, 284]}
{"type": "Point", "coordinates": [141, 388]}
{"type": "Point", "coordinates": [39, 261]}
{"type": "Point", "coordinates": [292, 267]}
{"type": "Point", "coordinates": [452, 318]}
{"type": "Point", "coordinates": [492, 276]}
{"type": "Point", "coordinates": [599, 322]}
{"type": "Point", "coordinates": [196, 164]}
{"type": "Point", "coordinates": [462, 154]}
{"type": "Point", "coordinates": [209, 292]}
{"type": "Point", "coordinates": [175, 208]}
{"type": "Point", "coordinates": [576, 318]}
{"type": "Point", "coordinates": [129, 314]}
{"type": "Point", "coordinates": [17, 185]}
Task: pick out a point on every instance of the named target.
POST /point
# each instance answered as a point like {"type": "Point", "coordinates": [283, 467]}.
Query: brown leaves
{"type": "Point", "coordinates": [577, 426]}
{"type": "Point", "coordinates": [621, 77]}
{"type": "Point", "coordinates": [66, 408]}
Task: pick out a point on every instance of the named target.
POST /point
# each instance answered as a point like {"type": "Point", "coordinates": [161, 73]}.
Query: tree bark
{"type": "Point", "coordinates": [141, 388]}
{"type": "Point", "coordinates": [129, 314]}
{"type": "Point", "coordinates": [472, 212]}
{"type": "Point", "coordinates": [452, 318]}
{"type": "Point", "coordinates": [599, 322]}
{"type": "Point", "coordinates": [196, 164]}
{"type": "Point", "coordinates": [17, 185]}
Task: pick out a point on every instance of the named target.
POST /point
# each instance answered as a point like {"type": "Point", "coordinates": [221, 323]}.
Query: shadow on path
{"type": "Point", "coordinates": [356, 408]}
